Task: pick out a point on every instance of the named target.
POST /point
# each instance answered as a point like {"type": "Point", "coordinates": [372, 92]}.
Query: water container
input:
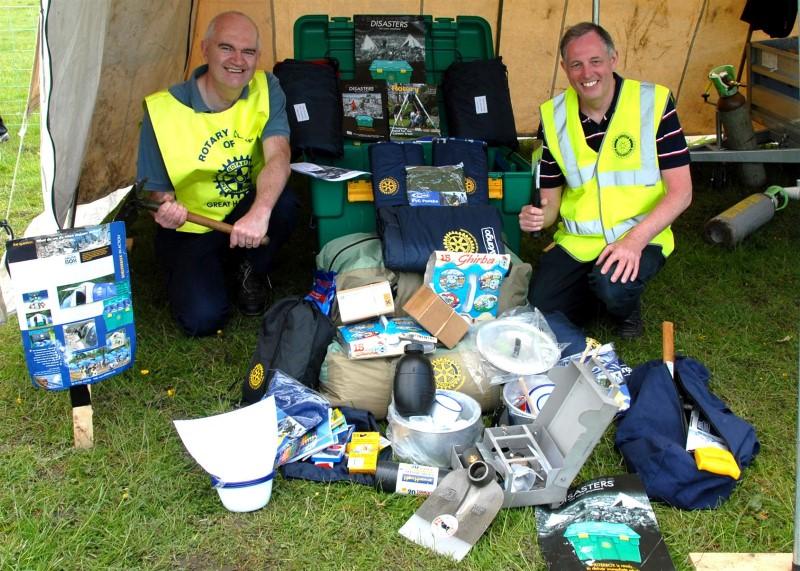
{"type": "Point", "coordinates": [414, 385]}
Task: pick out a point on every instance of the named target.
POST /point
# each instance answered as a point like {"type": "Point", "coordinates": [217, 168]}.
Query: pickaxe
{"type": "Point", "coordinates": [140, 200]}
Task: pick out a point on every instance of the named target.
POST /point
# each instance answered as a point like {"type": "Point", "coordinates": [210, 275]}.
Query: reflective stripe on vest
{"type": "Point", "coordinates": [606, 174]}
{"type": "Point", "coordinates": [212, 159]}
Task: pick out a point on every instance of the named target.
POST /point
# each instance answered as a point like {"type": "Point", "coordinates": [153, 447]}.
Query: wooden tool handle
{"type": "Point", "coordinates": [198, 219]}
{"type": "Point", "coordinates": [668, 341]}
{"type": "Point", "coordinates": [216, 225]}
{"type": "Point", "coordinates": [528, 399]}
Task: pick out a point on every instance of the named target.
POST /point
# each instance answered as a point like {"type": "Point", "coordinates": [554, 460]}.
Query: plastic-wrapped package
{"type": "Point", "coordinates": [428, 440]}
{"type": "Point", "coordinates": [305, 405]}
{"type": "Point", "coordinates": [469, 283]}
{"type": "Point", "coordinates": [436, 186]}
{"type": "Point", "coordinates": [609, 370]}
{"type": "Point", "coordinates": [518, 344]}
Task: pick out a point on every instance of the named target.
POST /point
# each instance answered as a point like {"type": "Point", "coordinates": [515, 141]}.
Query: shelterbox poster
{"type": "Point", "coordinates": [73, 297]}
{"type": "Point", "coordinates": [364, 105]}
{"type": "Point", "coordinates": [605, 524]}
{"type": "Point", "coordinates": [391, 48]}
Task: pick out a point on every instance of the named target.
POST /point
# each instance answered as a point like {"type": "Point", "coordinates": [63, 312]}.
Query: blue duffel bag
{"type": "Point", "coordinates": [652, 438]}
{"type": "Point", "coordinates": [388, 161]}
{"type": "Point", "coordinates": [410, 234]}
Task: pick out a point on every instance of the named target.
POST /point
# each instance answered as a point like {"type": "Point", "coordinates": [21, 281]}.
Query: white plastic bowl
{"type": "Point", "coordinates": [246, 499]}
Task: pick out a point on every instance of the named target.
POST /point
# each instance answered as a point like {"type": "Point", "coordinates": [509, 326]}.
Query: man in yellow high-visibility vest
{"type": "Point", "coordinates": [615, 168]}
{"type": "Point", "coordinates": [218, 145]}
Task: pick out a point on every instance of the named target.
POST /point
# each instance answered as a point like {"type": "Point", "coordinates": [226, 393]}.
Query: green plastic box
{"type": "Point", "coordinates": [341, 208]}
{"type": "Point", "coordinates": [604, 541]}
{"type": "Point", "coordinates": [390, 70]}
{"type": "Point", "coordinates": [364, 121]}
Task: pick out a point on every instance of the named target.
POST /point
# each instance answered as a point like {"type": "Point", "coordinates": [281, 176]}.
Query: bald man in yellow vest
{"type": "Point", "coordinates": [218, 145]}
{"type": "Point", "coordinates": [615, 168]}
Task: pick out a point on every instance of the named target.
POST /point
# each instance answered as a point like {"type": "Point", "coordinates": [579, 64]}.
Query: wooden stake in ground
{"type": "Point", "coordinates": [82, 413]}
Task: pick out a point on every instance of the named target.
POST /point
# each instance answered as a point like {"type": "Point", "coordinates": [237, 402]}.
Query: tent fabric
{"type": "Point", "coordinates": [92, 81]}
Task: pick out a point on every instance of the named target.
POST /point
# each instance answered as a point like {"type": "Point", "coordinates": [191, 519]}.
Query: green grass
{"type": "Point", "coordinates": [137, 501]}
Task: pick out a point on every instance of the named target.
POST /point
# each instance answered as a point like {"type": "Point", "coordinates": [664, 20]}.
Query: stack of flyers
{"type": "Point", "coordinates": [296, 444]}
{"type": "Point", "coordinates": [335, 453]}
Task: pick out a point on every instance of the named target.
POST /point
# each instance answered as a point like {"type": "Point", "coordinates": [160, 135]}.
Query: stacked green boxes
{"type": "Point", "coordinates": [465, 38]}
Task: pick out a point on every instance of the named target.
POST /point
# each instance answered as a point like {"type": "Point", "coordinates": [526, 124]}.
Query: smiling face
{"type": "Point", "coordinates": [590, 70]}
{"type": "Point", "coordinates": [231, 51]}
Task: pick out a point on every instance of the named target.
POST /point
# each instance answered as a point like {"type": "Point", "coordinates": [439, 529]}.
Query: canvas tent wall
{"type": "Point", "coordinates": [99, 58]}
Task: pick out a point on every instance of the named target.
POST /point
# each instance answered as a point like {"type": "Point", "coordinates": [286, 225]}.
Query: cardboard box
{"type": "Point", "coordinates": [436, 316]}
{"type": "Point", "coordinates": [360, 303]}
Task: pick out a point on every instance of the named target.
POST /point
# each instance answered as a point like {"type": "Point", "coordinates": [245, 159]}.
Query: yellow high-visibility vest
{"type": "Point", "coordinates": [212, 159]}
{"type": "Point", "coordinates": [610, 192]}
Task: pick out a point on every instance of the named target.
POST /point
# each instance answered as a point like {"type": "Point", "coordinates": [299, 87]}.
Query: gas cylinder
{"type": "Point", "coordinates": [734, 115]}
{"type": "Point", "coordinates": [745, 217]}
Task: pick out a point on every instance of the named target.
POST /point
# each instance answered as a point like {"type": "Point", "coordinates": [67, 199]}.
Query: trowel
{"type": "Point", "coordinates": [461, 508]}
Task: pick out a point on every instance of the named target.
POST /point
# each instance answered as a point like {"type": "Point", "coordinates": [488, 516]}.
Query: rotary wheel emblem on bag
{"type": "Point", "coordinates": [447, 374]}
{"type": "Point", "coordinates": [460, 241]}
{"type": "Point", "coordinates": [469, 184]}
{"type": "Point", "coordinates": [256, 377]}
{"type": "Point", "coordinates": [233, 179]}
{"type": "Point", "coordinates": [388, 185]}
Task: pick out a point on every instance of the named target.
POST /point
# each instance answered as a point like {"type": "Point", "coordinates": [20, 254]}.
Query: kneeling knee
{"type": "Point", "coordinates": [201, 323]}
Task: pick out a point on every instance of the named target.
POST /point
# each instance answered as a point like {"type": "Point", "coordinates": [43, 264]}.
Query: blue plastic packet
{"type": "Point", "coordinates": [304, 405]}
{"type": "Point", "coordinates": [323, 291]}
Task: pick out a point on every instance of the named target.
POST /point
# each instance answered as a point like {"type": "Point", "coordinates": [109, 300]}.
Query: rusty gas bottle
{"type": "Point", "coordinates": [734, 114]}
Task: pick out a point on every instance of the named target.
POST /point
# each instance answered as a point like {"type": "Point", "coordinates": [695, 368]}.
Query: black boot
{"type": "Point", "coordinates": [632, 326]}
{"type": "Point", "coordinates": [253, 291]}
{"type": "Point", "coordinates": [4, 136]}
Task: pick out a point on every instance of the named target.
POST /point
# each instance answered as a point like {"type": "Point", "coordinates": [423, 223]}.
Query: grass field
{"type": "Point", "coordinates": [137, 501]}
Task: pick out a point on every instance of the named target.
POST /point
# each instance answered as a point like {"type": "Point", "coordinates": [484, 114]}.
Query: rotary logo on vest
{"type": "Point", "coordinates": [233, 178]}
{"type": "Point", "coordinates": [624, 145]}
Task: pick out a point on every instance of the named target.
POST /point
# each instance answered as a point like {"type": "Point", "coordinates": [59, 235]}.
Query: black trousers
{"type": "Point", "coordinates": [577, 289]}
{"type": "Point", "coordinates": [199, 267]}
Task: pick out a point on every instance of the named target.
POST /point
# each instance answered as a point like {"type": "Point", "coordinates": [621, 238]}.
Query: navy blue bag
{"type": "Point", "coordinates": [410, 234]}
{"type": "Point", "coordinates": [388, 161]}
{"type": "Point", "coordinates": [650, 435]}
{"type": "Point", "coordinates": [472, 154]}
{"type": "Point", "coordinates": [363, 421]}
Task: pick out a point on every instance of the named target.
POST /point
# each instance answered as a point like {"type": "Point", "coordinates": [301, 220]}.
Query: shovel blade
{"type": "Point", "coordinates": [455, 516]}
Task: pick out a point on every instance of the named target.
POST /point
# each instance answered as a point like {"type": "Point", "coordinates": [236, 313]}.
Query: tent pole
{"type": "Point", "coordinates": [796, 550]}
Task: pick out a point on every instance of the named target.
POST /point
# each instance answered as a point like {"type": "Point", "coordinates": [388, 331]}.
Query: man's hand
{"type": "Point", "coordinates": [171, 214]}
{"type": "Point", "coordinates": [625, 253]}
{"type": "Point", "coordinates": [531, 219]}
{"type": "Point", "coordinates": [250, 229]}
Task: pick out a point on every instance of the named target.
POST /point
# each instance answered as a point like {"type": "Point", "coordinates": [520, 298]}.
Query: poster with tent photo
{"type": "Point", "coordinates": [604, 524]}
{"type": "Point", "coordinates": [413, 111]}
{"type": "Point", "coordinates": [74, 305]}
{"type": "Point", "coordinates": [391, 48]}
{"type": "Point", "coordinates": [364, 105]}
